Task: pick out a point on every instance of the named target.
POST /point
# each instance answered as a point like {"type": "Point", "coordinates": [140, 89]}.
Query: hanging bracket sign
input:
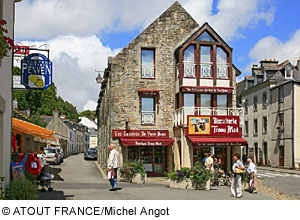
{"type": "Point", "coordinates": [36, 71]}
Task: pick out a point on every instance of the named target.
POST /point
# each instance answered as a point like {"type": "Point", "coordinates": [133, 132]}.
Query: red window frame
{"type": "Point", "coordinates": [211, 60]}
{"type": "Point", "coordinates": [227, 62]}
{"type": "Point", "coordinates": [195, 62]}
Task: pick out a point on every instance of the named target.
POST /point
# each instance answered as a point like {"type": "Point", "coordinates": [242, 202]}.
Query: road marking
{"type": "Point", "coordinates": [278, 174]}
{"type": "Point", "coordinates": [265, 175]}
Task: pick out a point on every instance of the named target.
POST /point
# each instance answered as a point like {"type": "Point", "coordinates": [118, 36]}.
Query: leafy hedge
{"type": "Point", "coordinates": [21, 189]}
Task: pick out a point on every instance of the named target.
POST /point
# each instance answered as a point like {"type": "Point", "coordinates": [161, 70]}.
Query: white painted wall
{"type": "Point", "coordinates": [6, 95]}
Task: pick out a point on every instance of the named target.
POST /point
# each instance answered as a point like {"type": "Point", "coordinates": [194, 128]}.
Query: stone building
{"type": "Point", "coordinates": [270, 97]}
{"type": "Point", "coordinates": [7, 12]}
{"type": "Point", "coordinates": [151, 87]}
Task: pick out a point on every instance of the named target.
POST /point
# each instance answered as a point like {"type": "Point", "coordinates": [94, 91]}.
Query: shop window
{"type": "Point", "coordinates": [148, 110]}
{"type": "Point", "coordinates": [154, 159]}
{"type": "Point", "coordinates": [264, 101]}
{"type": "Point", "coordinates": [206, 61]}
{"type": "Point", "coordinates": [280, 94]}
{"type": "Point", "coordinates": [265, 125]}
{"type": "Point", "coordinates": [205, 37]}
{"type": "Point", "coordinates": [222, 104]}
{"type": "Point", "coordinates": [246, 128]}
{"type": "Point", "coordinates": [222, 64]}
{"type": "Point", "coordinates": [189, 63]}
{"type": "Point", "coordinates": [255, 127]}
{"type": "Point", "coordinates": [205, 104]}
{"type": "Point", "coordinates": [255, 104]}
{"type": "Point", "coordinates": [148, 63]}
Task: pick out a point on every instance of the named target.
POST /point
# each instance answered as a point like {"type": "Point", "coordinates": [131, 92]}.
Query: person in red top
{"type": "Point", "coordinates": [33, 165]}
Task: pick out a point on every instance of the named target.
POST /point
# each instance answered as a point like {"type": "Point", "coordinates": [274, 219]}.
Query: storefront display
{"type": "Point", "coordinates": [154, 159]}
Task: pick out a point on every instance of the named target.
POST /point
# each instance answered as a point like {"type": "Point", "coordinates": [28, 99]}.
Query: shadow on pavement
{"type": "Point", "coordinates": [55, 171]}
{"type": "Point", "coordinates": [54, 195]}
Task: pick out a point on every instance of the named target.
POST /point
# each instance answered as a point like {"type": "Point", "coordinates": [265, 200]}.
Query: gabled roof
{"type": "Point", "coordinates": [198, 31]}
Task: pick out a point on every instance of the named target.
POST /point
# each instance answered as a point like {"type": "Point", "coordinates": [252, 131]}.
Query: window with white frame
{"type": "Point", "coordinates": [289, 72]}
{"type": "Point", "coordinates": [148, 110]}
{"type": "Point", "coordinates": [148, 63]}
{"type": "Point", "coordinates": [222, 64]}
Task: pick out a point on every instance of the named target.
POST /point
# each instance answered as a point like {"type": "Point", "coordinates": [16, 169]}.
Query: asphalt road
{"type": "Point", "coordinates": [288, 184]}
{"type": "Point", "coordinates": [81, 180]}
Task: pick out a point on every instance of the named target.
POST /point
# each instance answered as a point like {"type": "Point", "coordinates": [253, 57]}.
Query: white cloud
{"type": "Point", "coordinates": [232, 15]}
{"type": "Point", "coordinates": [272, 48]}
{"type": "Point", "coordinates": [74, 62]}
{"type": "Point", "coordinates": [45, 19]}
{"type": "Point", "coordinates": [90, 105]}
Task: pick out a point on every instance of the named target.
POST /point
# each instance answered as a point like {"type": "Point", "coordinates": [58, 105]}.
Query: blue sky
{"type": "Point", "coordinates": [81, 36]}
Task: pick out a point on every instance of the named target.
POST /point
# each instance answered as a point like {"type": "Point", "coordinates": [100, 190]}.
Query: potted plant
{"type": "Point", "coordinates": [245, 181]}
{"type": "Point", "coordinates": [180, 179]}
{"type": "Point", "coordinates": [200, 177]}
{"type": "Point", "coordinates": [133, 173]}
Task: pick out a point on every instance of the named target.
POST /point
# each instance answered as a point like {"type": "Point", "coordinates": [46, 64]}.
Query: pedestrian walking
{"type": "Point", "coordinates": [113, 164]}
{"type": "Point", "coordinates": [252, 171]}
{"type": "Point", "coordinates": [204, 159]}
{"type": "Point", "coordinates": [237, 170]}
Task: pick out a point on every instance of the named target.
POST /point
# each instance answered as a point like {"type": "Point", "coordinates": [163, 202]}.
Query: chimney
{"type": "Point", "coordinates": [298, 64]}
{"type": "Point", "coordinates": [55, 114]}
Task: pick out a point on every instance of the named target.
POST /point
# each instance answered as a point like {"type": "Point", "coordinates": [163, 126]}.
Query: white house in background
{"type": "Point", "coordinates": [7, 12]}
{"type": "Point", "coordinates": [88, 122]}
{"type": "Point", "coordinates": [93, 137]}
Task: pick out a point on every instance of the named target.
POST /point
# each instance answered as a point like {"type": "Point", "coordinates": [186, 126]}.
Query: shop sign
{"type": "Point", "coordinates": [148, 92]}
{"type": "Point", "coordinates": [140, 133]}
{"type": "Point", "coordinates": [36, 71]}
{"type": "Point", "coordinates": [147, 142]}
{"type": "Point", "coordinates": [214, 125]}
{"type": "Point", "coordinates": [206, 90]}
{"type": "Point", "coordinates": [22, 50]}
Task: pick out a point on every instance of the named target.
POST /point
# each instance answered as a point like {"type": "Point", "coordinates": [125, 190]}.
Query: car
{"type": "Point", "coordinates": [52, 155]}
{"type": "Point", "coordinates": [61, 154]}
{"type": "Point", "coordinates": [90, 154]}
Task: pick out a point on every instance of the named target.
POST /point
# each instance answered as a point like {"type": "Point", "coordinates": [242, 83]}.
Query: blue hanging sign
{"type": "Point", "coordinates": [36, 71]}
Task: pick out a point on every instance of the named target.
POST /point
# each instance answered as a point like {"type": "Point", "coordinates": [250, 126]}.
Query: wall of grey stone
{"type": "Point", "coordinates": [164, 35]}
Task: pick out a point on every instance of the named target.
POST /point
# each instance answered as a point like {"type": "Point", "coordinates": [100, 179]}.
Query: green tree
{"type": "Point", "coordinates": [88, 114]}
{"type": "Point", "coordinates": [37, 120]}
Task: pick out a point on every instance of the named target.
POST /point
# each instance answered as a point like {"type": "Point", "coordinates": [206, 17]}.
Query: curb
{"type": "Point", "coordinates": [101, 171]}
{"type": "Point", "coordinates": [279, 170]}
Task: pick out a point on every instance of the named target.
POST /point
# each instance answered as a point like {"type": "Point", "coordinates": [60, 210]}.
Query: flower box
{"type": "Point", "coordinates": [137, 179]}
{"type": "Point", "coordinates": [187, 184]}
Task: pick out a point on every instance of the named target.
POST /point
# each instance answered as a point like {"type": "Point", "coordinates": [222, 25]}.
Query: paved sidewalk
{"type": "Point", "coordinates": [282, 170]}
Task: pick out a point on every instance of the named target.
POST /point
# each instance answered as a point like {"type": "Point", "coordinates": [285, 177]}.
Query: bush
{"type": "Point", "coordinates": [198, 174]}
{"type": "Point", "coordinates": [21, 189]}
{"type": "Point", "coordinates": [1, 187]}
{"type": "Point", "coordinates": [131, 169]}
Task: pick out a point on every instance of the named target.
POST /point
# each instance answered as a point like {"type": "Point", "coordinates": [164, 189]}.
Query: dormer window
{"type": "Point", "coordinates": [289, 73]}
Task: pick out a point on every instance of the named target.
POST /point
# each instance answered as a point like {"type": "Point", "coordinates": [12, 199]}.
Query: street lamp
{"type": "Point", "coordinates": [99, 78]}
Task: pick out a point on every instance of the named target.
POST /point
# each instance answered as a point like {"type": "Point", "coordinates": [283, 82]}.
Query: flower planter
{"type": "Point", "coordinates": [178, 184]}
{"type": "Point", "coordinates": [139, 179]}
{"type": "Point", "coordinates": [187, 184]}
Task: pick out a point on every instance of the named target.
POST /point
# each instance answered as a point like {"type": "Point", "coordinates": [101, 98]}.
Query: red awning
{"type": "Point", "coordinates": [147, 142]}
{"type": "Point", "coordinates": [149, 91]}
{"type": "Point", "coordinates": [217, 140]}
